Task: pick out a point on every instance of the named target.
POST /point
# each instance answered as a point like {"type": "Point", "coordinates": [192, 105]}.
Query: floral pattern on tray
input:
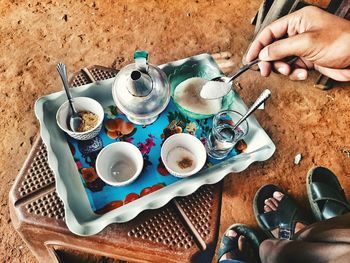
{"type": "Point", "coordinates": [148, 139]}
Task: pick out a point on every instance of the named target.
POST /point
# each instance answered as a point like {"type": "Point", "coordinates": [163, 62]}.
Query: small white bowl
{"type": "Point", "coordinates": [81, 104]}
{"type": "Point", "coordinates": [183, 147]}
{"type": "Point", "coordinates": [120, 163]}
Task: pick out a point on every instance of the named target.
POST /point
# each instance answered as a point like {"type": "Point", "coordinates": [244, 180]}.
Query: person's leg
{"type": "Point", "coordinates": [318, 237]}
{"type": "Point", "coordinates": [285, 251]}
{"type": "Point", "coordinates": [343, 259]}
{"type": "Point", "coordinates": [336, 229]}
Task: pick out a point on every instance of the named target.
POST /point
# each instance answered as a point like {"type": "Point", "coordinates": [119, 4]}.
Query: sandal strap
{"type": "Point", "coordinates": [228, 245]}
{"type": "Point", "coordinates": [324, 192]}
{"type": "Point", "coordinates": [332, 209]}
{"type": "Point", "coordinates": [285, 232]}
{"type": "Point", "coordinates": [284, 218]}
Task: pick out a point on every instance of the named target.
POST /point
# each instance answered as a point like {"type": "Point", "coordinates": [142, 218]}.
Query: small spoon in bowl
{"type": "Point", "coordinates": [75, 119]}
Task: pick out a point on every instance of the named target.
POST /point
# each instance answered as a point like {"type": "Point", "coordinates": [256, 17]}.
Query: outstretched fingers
{"type": "Point", "coordinates": [276, 30]}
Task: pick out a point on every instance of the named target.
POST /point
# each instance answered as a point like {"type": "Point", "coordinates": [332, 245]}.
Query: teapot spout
{"type": "Point", "coordinates": [139, 84]}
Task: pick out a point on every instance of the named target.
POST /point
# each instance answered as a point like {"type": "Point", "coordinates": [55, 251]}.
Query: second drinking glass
{"type": "Point", "coordinates": [223, 137]}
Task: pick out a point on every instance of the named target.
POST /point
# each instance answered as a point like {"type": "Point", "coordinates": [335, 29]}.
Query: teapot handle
{"type": "Point", "coordinates": [141, 60]}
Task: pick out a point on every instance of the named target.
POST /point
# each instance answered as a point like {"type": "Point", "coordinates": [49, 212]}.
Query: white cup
{"type": "Point", "coordinates": [181, 147]}
{"type": "Point", "coordinates": [119, 163]}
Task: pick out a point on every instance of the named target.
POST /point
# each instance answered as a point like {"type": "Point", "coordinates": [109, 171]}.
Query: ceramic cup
{"type": "Point", "coordinates": [81, 104]}
{"type": "Point", "coordinates": [183, 155]}
{"type": "Point", "coordinates": [119, 163]}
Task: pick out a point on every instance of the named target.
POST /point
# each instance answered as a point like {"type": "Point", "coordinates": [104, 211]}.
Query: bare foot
{"type": "Point", "coordinates": [271, 204]}
{"type": "Point", "coordinates": [246, 251]}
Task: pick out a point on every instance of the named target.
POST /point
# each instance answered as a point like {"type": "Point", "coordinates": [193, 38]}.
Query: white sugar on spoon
{"type": "Point", "coordinates": [215, 90]}
{"type": "Point", "coordinates": [218, 87]}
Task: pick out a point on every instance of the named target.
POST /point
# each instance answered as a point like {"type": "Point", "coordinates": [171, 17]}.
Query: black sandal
{"type": "Point", "coordinates": [326, 196]}
{"type": "Point", "coordinates": [229, 244]}
{"type": "Point", "coordinates": [285, 217]}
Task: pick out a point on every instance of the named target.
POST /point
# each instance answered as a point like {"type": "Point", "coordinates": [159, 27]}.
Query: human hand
{"type": "Point", "coordinates": [320, 40]}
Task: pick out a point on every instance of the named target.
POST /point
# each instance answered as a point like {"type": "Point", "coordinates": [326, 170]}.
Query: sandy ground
{"type": "Point", "coordinates": [36, 35]}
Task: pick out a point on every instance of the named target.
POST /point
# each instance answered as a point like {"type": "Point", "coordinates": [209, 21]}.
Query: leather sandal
{"type": "Point", "coordinates": [229, 244]}
{"type": "Point", "coordinates": [326, 196]}
{"type": "Point", "coordinates": [284, 218]}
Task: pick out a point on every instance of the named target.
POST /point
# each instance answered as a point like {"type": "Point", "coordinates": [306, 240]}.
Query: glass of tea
{"type": "Point", "coordinates": [222, 138]}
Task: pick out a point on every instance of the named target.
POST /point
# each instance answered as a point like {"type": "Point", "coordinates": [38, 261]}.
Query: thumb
{"type": "Point", "coordinates": [297, 45]}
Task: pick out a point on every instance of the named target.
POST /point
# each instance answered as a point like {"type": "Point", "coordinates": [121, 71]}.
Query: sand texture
{"type": "Point", "coordinates": [35, 35]}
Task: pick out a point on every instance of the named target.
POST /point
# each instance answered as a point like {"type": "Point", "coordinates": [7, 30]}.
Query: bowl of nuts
{"type": "Point", "coordinates": [91, 113]}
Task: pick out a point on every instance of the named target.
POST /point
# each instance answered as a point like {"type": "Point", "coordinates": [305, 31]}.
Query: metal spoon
{"type": "Point", "coordinates": [260, 100]}
{"type": "Point", "coordinates": [218, 87]}
{"type": "Point", "coordinates": [75, 119]}
{"type": "Point", "coordinates": [237, 73]}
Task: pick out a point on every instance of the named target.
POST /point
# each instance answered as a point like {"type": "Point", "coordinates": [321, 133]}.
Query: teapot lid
{"type": "Point", "coordinates": [141, 89]}
{"type": "Point", "coordinates": [141, 60]}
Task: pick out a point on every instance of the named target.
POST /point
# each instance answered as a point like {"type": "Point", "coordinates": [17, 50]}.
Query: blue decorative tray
{"type": "Point", "coordinates": [90, 204]}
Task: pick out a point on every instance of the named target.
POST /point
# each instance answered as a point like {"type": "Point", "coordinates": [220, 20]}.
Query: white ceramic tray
{"type": "Point", "coordinates": [80, 218]}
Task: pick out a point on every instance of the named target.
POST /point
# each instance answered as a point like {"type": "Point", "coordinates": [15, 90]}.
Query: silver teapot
{"type": "Point", "coordinates": [141, 91]}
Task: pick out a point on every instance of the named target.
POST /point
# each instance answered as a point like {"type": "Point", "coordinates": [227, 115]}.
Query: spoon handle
{"type": "Point", "coordinates": [61, 68]}
{"type": "Point", "coordinates": [242, 70]}
{"type": "Point", "coordinates": [260, 100]}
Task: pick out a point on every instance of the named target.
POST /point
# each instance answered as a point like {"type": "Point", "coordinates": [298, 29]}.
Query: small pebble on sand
{"type": "Point", "coordinates": [297, 159]}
